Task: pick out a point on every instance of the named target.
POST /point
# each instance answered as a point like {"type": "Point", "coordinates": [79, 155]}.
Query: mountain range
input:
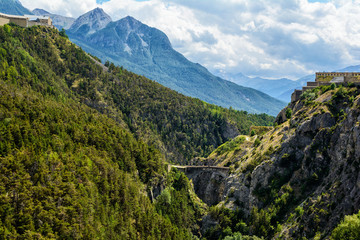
{"type": "Point", "coordinates": [277, 88]}
{"type": "Point", "coordinates": [85, 25]}
{"type": "Point", "coordinates": [84, 31]}
{"type": "Point", "coordinates": [126, 42]}
{"type": "Point", "coordinates": [148, 51]}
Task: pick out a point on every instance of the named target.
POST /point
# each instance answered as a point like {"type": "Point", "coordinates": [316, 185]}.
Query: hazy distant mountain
{"type": "Point", "coordinates": [277, 88]}
{"type": "Point", "coordinates": [58, 21]}
{"type": "Point", "coordinates": [13, 7]}
{"type": "Point", "coordinates": [355, 68]}
{"type": "Point", "coordinates": [148, 51]}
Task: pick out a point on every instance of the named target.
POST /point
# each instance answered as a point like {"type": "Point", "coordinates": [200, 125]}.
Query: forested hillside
{"type": "Point", "coordinates": [68, 172]}
{"type": "Point", "coordinates": [181, 127]}
{"type": "Point", "coordinates": [81, 145]}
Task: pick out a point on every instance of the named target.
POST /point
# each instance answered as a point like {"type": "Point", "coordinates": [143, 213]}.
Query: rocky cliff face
{"type": "Point", "coordinates": [304, 174]}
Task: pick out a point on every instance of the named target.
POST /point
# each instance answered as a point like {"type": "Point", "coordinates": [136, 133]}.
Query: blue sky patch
{"type": "Point", "coordinates": [101, 1]}
{"type": "Point", "coordinates": [321, 1]}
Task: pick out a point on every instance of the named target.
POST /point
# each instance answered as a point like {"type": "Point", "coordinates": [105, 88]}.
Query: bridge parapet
{"type": "Point", "coordinates": [189, 168]}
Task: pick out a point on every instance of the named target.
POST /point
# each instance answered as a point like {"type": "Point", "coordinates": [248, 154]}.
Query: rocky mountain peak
{"type": "Point", "coordinates": [151, 36]}
{"type": "Point", "coordinates": [91, 22]}
{"type": "Point", "coordinates": [131, 22]}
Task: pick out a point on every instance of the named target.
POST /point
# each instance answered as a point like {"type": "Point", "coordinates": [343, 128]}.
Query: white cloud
{"type": "Point", "coordinates": [68, 8]}
{"type": "Point", "coordinates": [283, 38]}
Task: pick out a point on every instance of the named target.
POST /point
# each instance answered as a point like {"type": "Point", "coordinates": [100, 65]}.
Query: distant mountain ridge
{"type": "Point", "coordinates": [277, 88]}
{"type": "Point", "coordinates": [148, 51]}
{"type": "Point", "coordinates": [13, 7]}
{"type": "Point", "coordinates": [355, 68]}
{"type": "Point", "coordinates": [58, 21]}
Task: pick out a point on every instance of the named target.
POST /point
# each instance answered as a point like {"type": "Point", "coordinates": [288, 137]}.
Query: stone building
{"type": "Point", "coordinates": [327, 78]}
{"type": "Point", "coordinates": [39, 20]}
{"type": "Point", "coordinates": [25, 21]}
{"type": "Point", "coordinates": [18, 20]}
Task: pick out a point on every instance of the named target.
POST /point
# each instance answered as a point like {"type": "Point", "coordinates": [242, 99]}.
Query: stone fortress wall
{"type": "Point", "coordinates": [327, 78]}
{"type": "Point", "coordinates": [4, 21]}
{"type": "Point", "coordinates": [336, 74]}
{"type": "Point", "coordinates": [25, 21]}
{"type": "Point", "coordinates": [18, 20]}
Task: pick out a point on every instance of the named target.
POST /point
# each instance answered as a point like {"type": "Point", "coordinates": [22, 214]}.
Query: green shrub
{"type": "Point", "coordinates": [63, 33]}
{"type": "Point", "coordinates": [164, 198]}
{"type": "Point", "coordinates": [309, 95]}
{"type": "Point", "coordinates": [348, 229]}
{"type": "Point", "coordinates": [257, 142]}
{"type": "Point", "coordinates": [235, 236]}
{"type": "Point", "coordinates": [299, 211]}
{"type": "Point", "coordinates": [252, 133]}
{"type": "Point", "coordinates": [288, 113]}
{"type": "Point", "coordinates": [332, 86]}
{"type": "Point", "coordinates": [7, 28]}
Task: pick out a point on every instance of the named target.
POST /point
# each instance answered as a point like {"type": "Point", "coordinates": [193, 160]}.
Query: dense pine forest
{"type": "Point", "coordinates": [81, 144]}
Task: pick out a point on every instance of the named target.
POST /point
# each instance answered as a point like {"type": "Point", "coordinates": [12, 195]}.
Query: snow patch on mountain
{"type": "Point", "coordinates": [127, 49]}
{"type": "Point", "coordinates": [143, 43]}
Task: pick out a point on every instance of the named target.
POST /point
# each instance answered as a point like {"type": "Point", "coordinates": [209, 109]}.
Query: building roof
{"type": "Point", "coordinates": [12, 16]}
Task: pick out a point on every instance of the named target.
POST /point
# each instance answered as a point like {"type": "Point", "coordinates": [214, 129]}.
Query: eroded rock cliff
{"type": "Point", "coordinates": [301, 178]}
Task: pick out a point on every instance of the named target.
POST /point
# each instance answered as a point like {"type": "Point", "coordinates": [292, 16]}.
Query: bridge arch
{"type": "Point", "coordinates": [208, 181]}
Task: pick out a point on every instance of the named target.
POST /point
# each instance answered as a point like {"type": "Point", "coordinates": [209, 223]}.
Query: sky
{"type": "Point", "coordinates": [264, 38]}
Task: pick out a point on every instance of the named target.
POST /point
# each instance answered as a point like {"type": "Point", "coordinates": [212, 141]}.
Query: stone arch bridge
{"type": "Point", "coordinates": [208, 181]}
